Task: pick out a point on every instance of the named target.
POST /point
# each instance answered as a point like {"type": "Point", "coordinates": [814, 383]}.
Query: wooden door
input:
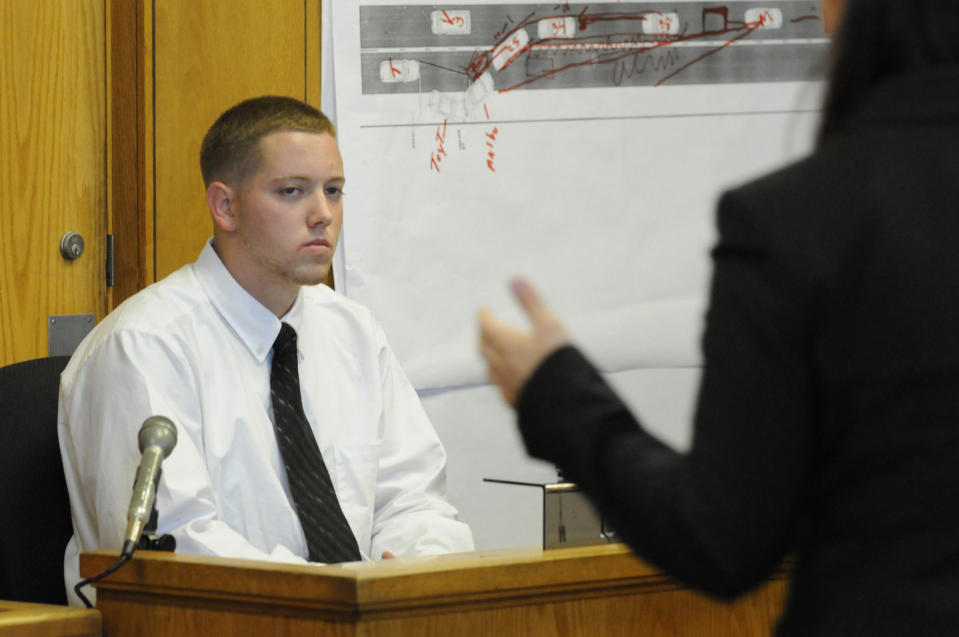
{"type": "Point", "coordinates": [209, 55]}
{"type": "Point", "coordinates": [53, 167]}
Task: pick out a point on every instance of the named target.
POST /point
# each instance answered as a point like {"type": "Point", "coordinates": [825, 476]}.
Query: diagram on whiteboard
{"type": "Point", "coordinates": [457, 57]}
{"type": "Point", "coordinates": [477, 49]}
{"type": "Point", "coordinates": [582, 145]}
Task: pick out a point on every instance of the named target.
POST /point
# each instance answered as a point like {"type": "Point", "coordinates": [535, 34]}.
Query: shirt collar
{"type": "Point", "coordinates": [255, 325]}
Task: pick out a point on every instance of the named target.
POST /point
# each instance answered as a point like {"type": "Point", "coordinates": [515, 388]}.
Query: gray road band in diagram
{"type": "Point", "coordinates": [419, 49]}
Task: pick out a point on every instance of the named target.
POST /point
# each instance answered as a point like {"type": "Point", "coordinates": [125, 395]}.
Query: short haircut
{"type": "Point", "coordinates": [231, 148]}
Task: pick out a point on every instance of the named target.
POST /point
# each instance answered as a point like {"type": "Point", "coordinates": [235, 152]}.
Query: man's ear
{"type": "Point", "coordinates": [220, 199]}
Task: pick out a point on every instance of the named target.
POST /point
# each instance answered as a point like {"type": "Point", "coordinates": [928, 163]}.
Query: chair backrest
{"type": "Point", "coordinates": [35, 521]}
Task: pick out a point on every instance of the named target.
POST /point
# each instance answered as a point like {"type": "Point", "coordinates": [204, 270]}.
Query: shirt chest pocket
{"type": "Point", "coordinates": [357, 466]}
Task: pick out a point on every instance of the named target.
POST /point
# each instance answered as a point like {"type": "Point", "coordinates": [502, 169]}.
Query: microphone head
{"type": "Point", "coordinates": [157, 431]}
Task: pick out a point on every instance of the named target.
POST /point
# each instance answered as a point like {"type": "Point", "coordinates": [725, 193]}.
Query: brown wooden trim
{"type": "Point", "coordinates": [313, 24]}
{"type": "Point", "coordinates": [313, 72]}
{"type": "Point", "coordinates": [126, 73]}
{"type": "Point", "coordinates": [146, 127]}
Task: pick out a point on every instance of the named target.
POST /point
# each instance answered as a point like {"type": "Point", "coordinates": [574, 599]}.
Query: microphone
{"type": "Point", "coordinates": [157, 438]}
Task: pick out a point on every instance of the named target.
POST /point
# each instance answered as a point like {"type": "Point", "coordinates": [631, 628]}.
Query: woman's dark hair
{"type": "Point", "coordinates": [881, 38]}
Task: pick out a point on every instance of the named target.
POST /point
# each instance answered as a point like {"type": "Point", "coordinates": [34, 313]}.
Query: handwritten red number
{"type": "Point", "coordinates": [458, 21]}
{"type": "Point", "coordinates": [437, 156]}
{"type": "Point", "coordinates": [491, 137]}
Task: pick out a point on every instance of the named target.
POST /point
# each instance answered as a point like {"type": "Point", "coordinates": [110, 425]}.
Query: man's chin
{"type": "Point", "coordinates": [313, 277]}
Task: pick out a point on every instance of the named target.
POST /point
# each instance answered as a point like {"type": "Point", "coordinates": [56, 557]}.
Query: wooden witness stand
{"type": "Point", "coordinates": [594, 590]}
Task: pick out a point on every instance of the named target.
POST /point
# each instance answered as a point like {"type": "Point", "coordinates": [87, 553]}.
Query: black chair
{"type": "Point", "coordinates": [35, 523]}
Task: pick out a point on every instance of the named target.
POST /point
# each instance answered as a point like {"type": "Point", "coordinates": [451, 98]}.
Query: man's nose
{"type": "Point", "coordinates": [320, 212]}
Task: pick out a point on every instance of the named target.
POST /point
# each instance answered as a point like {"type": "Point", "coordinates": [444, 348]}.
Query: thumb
{"type": "Point", "coordinates": [534, 306]}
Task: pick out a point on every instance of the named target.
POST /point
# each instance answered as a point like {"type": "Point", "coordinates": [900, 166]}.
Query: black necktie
{"type": "Point", "coordinates": [328, 534]}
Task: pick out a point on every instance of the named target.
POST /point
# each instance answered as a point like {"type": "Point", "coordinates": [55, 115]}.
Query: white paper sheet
{"type": "Point", "coordinates": [583, 146]}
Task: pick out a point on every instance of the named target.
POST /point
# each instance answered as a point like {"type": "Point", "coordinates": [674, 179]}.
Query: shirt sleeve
{"type": "Point", "coordinates": [722, 516]}
{"type": "Point", "coordinates": [128, 377]}
{"type": "Point", "coordinates": [411, 516]}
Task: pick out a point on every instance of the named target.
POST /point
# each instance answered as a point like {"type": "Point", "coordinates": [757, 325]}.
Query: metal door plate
{"type": "Point", "coordinates": [66, 331]}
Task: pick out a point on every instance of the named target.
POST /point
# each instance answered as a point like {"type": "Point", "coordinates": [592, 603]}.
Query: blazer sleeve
{"type": "Point", "coordinates": [722, 516]}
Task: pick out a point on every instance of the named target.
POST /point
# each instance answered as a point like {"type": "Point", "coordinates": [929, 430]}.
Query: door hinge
{"type": "Point", "coordinates": [109, 263]}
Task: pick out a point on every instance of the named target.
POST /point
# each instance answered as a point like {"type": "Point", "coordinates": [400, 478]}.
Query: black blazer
{"type": "Point", "coordinates": [827, 423]}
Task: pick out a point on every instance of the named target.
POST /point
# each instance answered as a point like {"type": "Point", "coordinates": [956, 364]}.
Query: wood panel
{"type": "Point", "coordinates": [52, 167]}
{"type": "Point", "coordinates": [592, 591]}
{"type": "Point", "coordinates": [671, 613]}
{"type": "Point", "coordinates": [210, 54]}
{"type": "Point", "coordinates": [21, 619]}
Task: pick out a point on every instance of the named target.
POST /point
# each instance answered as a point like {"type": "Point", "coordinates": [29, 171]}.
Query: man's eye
{"type": "Point", "coordinates": [334, 191]}
{"type": "Point", "coordinates": [289, 190]}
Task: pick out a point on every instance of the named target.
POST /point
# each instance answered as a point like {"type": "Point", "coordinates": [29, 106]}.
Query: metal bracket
{"type": "Point", "coordinates": [569, 518]}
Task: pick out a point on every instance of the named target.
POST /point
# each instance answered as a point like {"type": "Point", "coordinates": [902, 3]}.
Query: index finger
{"type": "Point", "coordinates": [531, 302]}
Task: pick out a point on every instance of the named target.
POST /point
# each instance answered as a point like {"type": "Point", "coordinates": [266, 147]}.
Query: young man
{"type": "Point", "coordinates": [198, 348]}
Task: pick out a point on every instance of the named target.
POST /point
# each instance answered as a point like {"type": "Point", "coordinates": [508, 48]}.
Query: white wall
{"type": "Point", "coordinates": [482, 441]}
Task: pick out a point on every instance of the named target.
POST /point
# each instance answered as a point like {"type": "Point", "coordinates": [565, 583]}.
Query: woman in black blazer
{"type": "Point", "coordinates": [827, 421]}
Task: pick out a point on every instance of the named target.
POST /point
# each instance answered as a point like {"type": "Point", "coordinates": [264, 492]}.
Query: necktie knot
{"type": "Point", "coordinates": [284, 340]}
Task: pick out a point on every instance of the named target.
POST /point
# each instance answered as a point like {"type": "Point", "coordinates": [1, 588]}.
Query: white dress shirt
{"type": "Point", "coordinates": [197, 349]}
